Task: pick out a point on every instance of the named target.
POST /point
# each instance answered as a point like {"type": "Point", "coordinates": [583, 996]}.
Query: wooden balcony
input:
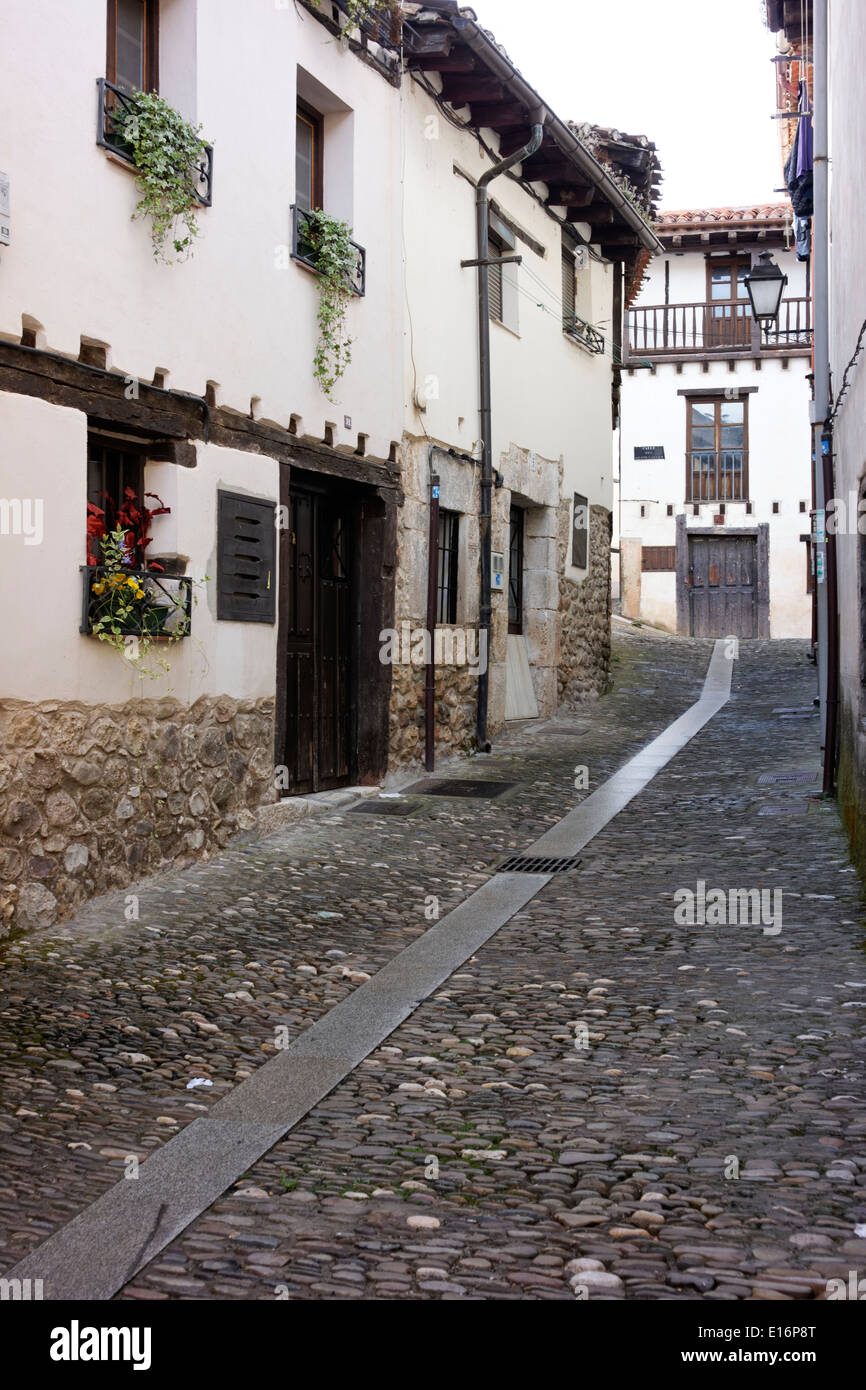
{"type": "Point", "coordinates": [716, 330]}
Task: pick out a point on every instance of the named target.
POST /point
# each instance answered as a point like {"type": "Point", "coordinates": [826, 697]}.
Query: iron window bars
{"type": "Point", "coordinates": [110, 98]}
{"type": "Point", "coordinates": [171, 617]}
{"type": "Point", "coordinates": [304, 251]}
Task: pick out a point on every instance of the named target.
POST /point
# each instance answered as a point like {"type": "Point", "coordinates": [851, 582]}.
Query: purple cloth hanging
{"type": "Point", "coordinates": [805, 144]}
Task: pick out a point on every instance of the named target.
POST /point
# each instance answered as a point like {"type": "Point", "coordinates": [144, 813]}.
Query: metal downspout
{"type": "Point", "coordinates": [485, 410]}
{"type": "Point", "coordinates": [821, 403]}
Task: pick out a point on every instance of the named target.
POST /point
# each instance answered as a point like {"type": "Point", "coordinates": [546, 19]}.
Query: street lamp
{"type": "Point", "coordinates": [765, 284]}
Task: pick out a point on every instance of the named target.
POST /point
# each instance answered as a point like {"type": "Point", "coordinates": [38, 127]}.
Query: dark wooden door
{"type": "Point", "coordinates": [515, 571]}
{"type": "Point", "coordinates": [723, 586]}
{"type": "Point", "coordinates": [318, 642]}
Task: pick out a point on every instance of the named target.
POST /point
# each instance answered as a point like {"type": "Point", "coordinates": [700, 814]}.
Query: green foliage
{"type": "Point", "coordinates": [129, 613]}
{"type": "Point", "coordinates": [328, 243]}
{"type": "Point", "coordinates": [359, 10]}
{"type": "Point", "coordinates": [166, 151]}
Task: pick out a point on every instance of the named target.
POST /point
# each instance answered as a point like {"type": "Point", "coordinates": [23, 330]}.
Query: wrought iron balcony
{"type": "Point", "coordinates": [582, 332]}
{"type": "Point", "coordinates": [704, 328]}
{"type": "Point", "coordinates": [304, 250]}
{"type": "Point", "coordinates": [113, 106]}
{"type": "Point", "coordinates": [165, 610]}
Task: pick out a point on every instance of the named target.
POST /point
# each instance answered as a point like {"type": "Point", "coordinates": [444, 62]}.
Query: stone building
{"type": "Point", "coordinates": [273, 533]}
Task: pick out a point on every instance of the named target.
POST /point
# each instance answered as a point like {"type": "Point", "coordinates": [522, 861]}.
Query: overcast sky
{"type": "Point", "coordinates": [693, 75]}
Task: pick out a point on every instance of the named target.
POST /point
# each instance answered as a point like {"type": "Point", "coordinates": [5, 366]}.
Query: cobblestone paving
{"type": "Point", "coordinates": [480, 1153]}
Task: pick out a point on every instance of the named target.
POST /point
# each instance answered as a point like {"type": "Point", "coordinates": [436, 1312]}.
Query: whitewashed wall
{"type": "Point", "coordinates": [550, 395]}
{"type": "Point", "coordinates": [653, 413]}
{"type": "Point", "coordinates": [235, 314]}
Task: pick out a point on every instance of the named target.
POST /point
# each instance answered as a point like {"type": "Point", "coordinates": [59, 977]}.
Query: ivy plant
{"type": "Point", "coordinates": [167, 152]}
{"type": "Point", "coordinates": [331, 250]}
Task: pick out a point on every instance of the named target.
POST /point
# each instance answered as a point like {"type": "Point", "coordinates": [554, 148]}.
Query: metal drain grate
{"type": "Point", "coordinates": [383, 808]}
{"type": "Point", "coordinates": [786, 779]}
{"type": "Point", "coordinates": [785, 808]}
{"type": "Point", "coordinates": [458, 786]}
{"type": "Point", "coordinates": [536, 864]}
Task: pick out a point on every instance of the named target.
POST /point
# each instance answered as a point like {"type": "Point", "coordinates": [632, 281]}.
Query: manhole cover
{"type": "Point", "coordinates": [457, 786]}
{"type": "Point", "coordinates": [786, 779]}
{"type": "Point", "coordinates": [371, 807]}
{"type": "Point", "coordinates": [785, 808]}
{"type": "Point", "coordinates": [536, 864]}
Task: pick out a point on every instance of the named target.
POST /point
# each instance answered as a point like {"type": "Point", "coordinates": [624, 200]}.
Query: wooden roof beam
{"type": "Point", "coordinates": [460, 90]}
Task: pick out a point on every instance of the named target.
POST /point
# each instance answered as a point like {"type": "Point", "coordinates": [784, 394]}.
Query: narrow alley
{"type": "Point", "coordinates": [604, 1101]}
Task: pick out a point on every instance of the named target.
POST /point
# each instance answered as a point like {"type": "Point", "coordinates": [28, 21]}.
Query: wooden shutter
{"type": "Point", "coordinates": [495, 279]}
{"type": "Point", "coordinates": [246, 564]}
{"type": "Point", "coordinates": [569, 288]}
{"type": "Point", "coordinates": [655, 558]}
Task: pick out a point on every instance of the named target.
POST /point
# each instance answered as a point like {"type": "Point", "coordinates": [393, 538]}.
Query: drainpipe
{"type": "Point", "coordinates": [432, 576]}
{"type": "Point", "coordinates": [821, 404]}
{"type": "Point", "coordinates": [538, 118]}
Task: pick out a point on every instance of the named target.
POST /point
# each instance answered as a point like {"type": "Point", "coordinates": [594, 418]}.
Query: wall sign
{"type": "Point", "coordinates": [580, 532]}
{"type": "Point", "coordinates": [649, 451]}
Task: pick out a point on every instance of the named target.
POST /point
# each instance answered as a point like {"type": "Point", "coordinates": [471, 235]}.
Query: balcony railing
{"type": "Point", "coordinates": [113, 105]}
{"type": "Point", "coordinates": [583, 332]}
{"type": "Point", "coordinates": [303, 250]}
{"type": "Point", "coordinates": [655, 329]}
{"type": "Point", "coordinates": [165, 610]}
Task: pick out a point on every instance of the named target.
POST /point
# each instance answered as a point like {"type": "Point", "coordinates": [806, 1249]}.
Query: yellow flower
{"type": "Point", "coordinates": [99, 588]}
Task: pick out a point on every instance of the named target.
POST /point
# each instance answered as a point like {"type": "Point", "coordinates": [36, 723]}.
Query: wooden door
{"type": "Point", "coordinates": [318, 643]}
{"type": "Point", "coordinates": [723, 586]}
{"type": "Point", "coordinates": [728, 314]}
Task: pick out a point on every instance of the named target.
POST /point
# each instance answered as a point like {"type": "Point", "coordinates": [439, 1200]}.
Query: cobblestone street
{"type": "Point", "coordinates": [707, 1141]}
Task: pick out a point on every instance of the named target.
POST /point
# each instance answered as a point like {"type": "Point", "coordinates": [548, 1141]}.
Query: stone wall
{"type": "Point", "coordinates": [584, 665]}
{"type": "Point", "coordinates": [455, 709]}
{"type": "Point", "coordinates": [95, 796]}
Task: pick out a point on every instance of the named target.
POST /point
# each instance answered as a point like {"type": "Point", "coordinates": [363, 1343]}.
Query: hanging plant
{"type": "Point", "coordinates": [331, 250]}
{"type": "Point", "coordinates": [358, 11]}
{"type": "Point", "coordinates": [167, 152]}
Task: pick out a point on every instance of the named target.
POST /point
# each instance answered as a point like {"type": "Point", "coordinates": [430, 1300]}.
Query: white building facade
{"type": "Point", "coordinates": [715, 495]}
{"type": "Point", "coordinates": [276, 532]}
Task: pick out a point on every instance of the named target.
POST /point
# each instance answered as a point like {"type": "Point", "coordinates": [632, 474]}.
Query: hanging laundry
{"type": "Point", "coordinates": [803, 237]}
{"type": "Point", "coordinates": [798, 169]}
{"type": "Point", "coordinates": [805, 144]}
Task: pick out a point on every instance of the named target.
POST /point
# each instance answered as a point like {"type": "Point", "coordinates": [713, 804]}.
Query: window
{"type": "Point", "coordinates": [569, 289]}
{"type": "Point", "coordinates": [111, 469]}
{"type": "Point", "coordinates": [495, 278]}
{"type": "Point", "coordinates": [446, 593]}
{"type": "Point", "coordinates": [515, 571]}
{"type": "Point", "coordinates": [132, 61]}
{"type": "Point", "coordinates": [654, 558]}
{"type": "Point", "coordinates": [309, 162]}
{"type": "Point", "coordinates": [502, 279]}
{"type": "Point", "coordinates": [717, 450]}
{"type": "Point", "coordinates": [729, 322]}
{"type": "Point", "coordinates": [246, 550]}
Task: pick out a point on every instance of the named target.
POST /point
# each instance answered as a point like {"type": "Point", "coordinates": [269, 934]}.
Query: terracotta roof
{"type": "Point", "coordinates": [765, 214]}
